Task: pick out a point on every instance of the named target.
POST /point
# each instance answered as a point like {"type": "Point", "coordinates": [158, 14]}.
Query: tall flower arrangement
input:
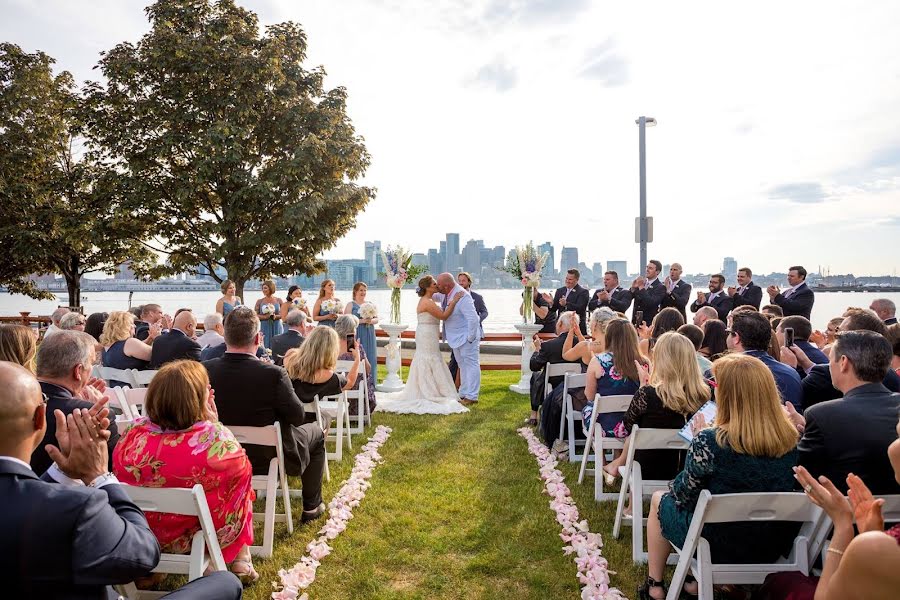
{"type": "Point", "coordinates": [526, 264]}
{"type": "Point", "coordinates": [398, 268]}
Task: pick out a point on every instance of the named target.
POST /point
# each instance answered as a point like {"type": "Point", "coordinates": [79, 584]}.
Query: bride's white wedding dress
{"type": "Point", "coordinates": [429, 388]}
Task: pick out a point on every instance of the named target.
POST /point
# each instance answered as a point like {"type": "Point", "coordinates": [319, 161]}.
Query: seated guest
{"type": "Point", "coordinates": [572, 298]}
{"type": "Point", "coordinates": [717, 298]}
{"type": "Point", "coordinates": [213, 331]}
{"type": "Point", "coordinates": [178, 343]}
{"type": "Point", "coordinates": [93, 326]}
{"type": "Point", "coordinates": [715, 342]}
{"type": "Point", "coordinates": [18, 345]}
{"type": "Point", "coordinates": [151, 315]}
{"type": "Point", "coordinates": [667, 399]}
{"type": "Point", "coordinates": [542, 307]}
{"type": "Point", "coordinates": [668, 319]}
{"type": "Point", "coordinates": [611, 294]}
{"type": "Point", "coordinates": [797, 299]}
{"type": "Point", "coordinates": [750, 333]}
{"type": "Point", "coordinates": [678, 292]}
{"type": "Point", "coordinates": [121, 349]}
{"type": "Point", "coordinates": [751, 448]}
{"type": "Point", "coordinates": [72, 321]}
{"type": "Point", "coordinates": [211, 352]}
{"type": "Point", "coordinates": [613, 373]}
{"type": "Point", "coordinates": [746, 293]}
{"type": "Point", "coordinates": [295, 321]}
{"type": "Point", "coordinates": [894, 338]}
{"type": "Point", "coordinates": [885, 309]}
{"type": "Point", "coordinates": [311, 367]}
{"type": "Point", "coordinates": [345, 326]}
{"type": "Point", "coordinates": [851, 435]}
{"type": "Point", "coordinates": [772, 310]}
{"type": "Point", "coordinates": [55, 317]}
{"type": "Point", "coordinates": [695, 335]}
{"type": "Point", "coordinates": [586, 349]}
{"type": "Point", "coordinates": [547, 352]}
{"type": "Point", "coordinates": [63, 366]}
{"type": "Point", "coordinates": [170, 447]}
{"type": "Point", "coordinates": [648, 293]}
{"type": "Point", "coordinates": [704, 314]}
{"type": "Point", "coordinates": [802, 330]}
{"type": "Point", "coordinates": [238, 376]}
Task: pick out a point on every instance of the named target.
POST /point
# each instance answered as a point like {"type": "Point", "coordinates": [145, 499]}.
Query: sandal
{"type": "Point", "coordinates": [644, 590]}
{"type": "Point", "coordinates": [686, 595]}
{"type": "Point", "coordinates": [248, 576]}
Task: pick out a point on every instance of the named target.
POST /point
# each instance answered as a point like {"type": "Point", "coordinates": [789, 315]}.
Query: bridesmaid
{"type": "Point", "coordinates": [326, 292]}
{"type": "Point", "coordinates": [270, 324]}
{"type": "Point", "coordinates": [294, 292]}
{"type": "Point", "coordinates": [228, 302]}
{"type": "Point", "coordinates": [365, 333]}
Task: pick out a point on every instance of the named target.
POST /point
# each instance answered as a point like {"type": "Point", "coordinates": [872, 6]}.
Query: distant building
{"type": "Point", "coordinates": [346, 272]}
{"type": "Point", "coordinates": [729, 270]}
{"type": "Point", "coordinates": [619, 266]}
{"type": "Point", "coordinates": [568, 259]}
{"type": "Point", "coordinates": [597, 271]}
{"type": "Point", "coordinates": [451, 258]}
{"type": "Point", "coordinates": [435, 262]}
{"type": "Point", "coordinates": [124, 272]}
{"type": "Point", "coordinates": [471, 256]}
{"type": "Point", "coordinates": [550, 266]}
{"type": "Point", "coordinates": [373, 256]}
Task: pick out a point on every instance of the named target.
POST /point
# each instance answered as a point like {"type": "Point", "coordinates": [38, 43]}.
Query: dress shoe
{"type": "Point", "coordinates": [312, 515]}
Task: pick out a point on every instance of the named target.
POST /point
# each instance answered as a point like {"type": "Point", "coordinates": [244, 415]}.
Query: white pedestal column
{"type": "Point", "coordinates": [392, 383]}
{"type": "Point", "coordinates": [527, 330]}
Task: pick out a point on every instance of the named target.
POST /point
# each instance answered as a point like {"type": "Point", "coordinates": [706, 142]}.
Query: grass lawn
{"type": "Point", "coordinates": [455, 511]}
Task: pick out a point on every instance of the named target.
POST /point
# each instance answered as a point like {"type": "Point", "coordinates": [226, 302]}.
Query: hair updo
{"type": "Point", "coordinates": [424, 284]}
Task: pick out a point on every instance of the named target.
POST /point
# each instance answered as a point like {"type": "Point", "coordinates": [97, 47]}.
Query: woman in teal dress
{"type": "Point", "coordinates": [270, 322]}
{"type": "Point", "coordinates": [319, 314]}
{"type": "Point", "coordinates": [752, 447]}
{"type": "Point", "coordinates": [365, 333]}
{"type": "Point", "coordinates": [228, 302]}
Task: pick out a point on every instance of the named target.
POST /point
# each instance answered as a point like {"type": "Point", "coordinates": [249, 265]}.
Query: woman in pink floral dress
{"type": "Point", "coordinates": [181, 443]}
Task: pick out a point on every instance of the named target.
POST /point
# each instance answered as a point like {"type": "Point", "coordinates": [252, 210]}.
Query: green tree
{"type": "Point", "coordinates": [238, 155]}
{"type": "Point", "coordinates": [61, 211]}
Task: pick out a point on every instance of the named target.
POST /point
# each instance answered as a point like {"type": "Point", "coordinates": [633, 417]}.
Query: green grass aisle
{"type": "Point", "coordinates": [455, 511]}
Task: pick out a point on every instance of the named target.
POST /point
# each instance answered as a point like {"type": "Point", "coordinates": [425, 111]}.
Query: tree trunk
{"type": "Point", "coordinates": [73, 283]}
{"type": "Point", "coordinates": [239, 288]}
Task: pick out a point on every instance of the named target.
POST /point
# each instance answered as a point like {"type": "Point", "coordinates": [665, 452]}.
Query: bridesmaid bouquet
{"type": "Point", "coordinates": [526, 264]}
{"type": "Point", "coordinates": [300, 304]}
{"type": "Point", "coordinates": [368, 311]}
{"type": "Point", "coordinates": [398, 268]}
{"type": "Point", "coordinates": [332, 306]}
{"type": "Point", "coordinates": [268, 310]}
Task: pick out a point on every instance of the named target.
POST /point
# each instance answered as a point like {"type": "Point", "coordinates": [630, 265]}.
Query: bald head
{"type": "Point", "coordinates": [20, 396]}
{"type": "Point", "coordinates": [445, 282]}
{"type": "Point", "coordinates": [705, 314]}
{"type": "Point", "coordinates": [186, 322]}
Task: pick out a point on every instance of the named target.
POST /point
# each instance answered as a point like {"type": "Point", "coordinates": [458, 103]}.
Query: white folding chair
{"type": "Point", "coordinates": [359, 395]}
{"type": "Point", "coordinates": [338, 406]}
{"type": "Point", "coordinates": [694, 555]}
{"type": "Point", "coordinates": [640, 488]}
{"type": "Point", "coordinates": [108, 374]}
{"type": "Point", "coordinates": [115, 395]}
{"type": "Point", "coordinates": [134, 398]}
{"type": "Point", "coordinates": [270, 436]}
{"type": "Point", "coordinates": [558, 370]}
{"type": "Point", "coordinates": [569, 415]}
{"type": "Point", "coordinates": [594, 435]}
{"type": "Point", "coordinates": [205, 550]}
{"type": "Point", "coordinates": [143, 378]}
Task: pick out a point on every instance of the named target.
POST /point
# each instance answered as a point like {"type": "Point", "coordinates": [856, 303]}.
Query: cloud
{"type": "Point", "coordinates": [604, 64]}
{"type": "Point", "coordinates": [889, 222]}
{"type": "Point", "coordinates": [497, 74]}
{"type": "Point", "coordinates": [886, 158]}
{"type": "Point", "coordinates": [533, 12]}
{"type": "Point", "coordinates": [802, 193]}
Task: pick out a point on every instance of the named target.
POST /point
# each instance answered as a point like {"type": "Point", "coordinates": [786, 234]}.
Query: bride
{"type": "Point", "coordinates": [429, 388]}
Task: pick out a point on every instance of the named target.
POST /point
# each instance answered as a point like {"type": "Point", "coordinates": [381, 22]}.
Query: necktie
{"type": "Point", "coordinates": [444, 302]}
{"type": "Point", "coordinates": [788, 292]}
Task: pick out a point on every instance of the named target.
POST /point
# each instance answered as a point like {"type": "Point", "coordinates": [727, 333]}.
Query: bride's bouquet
{"type": "Point", "coordinates": [526, 264]}
{"type": "Point", "coordinates": [368, 311]}
{"type": "Point", "coordinates": [398, 268]}
{"type": "Point", "coordinates": [331, 306]}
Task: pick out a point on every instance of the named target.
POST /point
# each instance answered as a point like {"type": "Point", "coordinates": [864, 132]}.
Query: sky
{"type": "Point", "coordinates": [778, 136]}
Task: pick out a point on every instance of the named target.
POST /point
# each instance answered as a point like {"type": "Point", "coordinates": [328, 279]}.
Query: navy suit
{"type": "Point", "coordinates": [786, 378]}
{"type": "Point", "coordinates": [550, 353]}
{"type": "Point", "coordinates": [59, 541]}
{"type": "Point", "coordinates": [799, 303]}
{"type": "Point", "coordinates": [648, 300]}
{"type": "Point", "coordinates": [577, 302]}
{"type": "Point", "coordinates": [817, 385]}
{"type": "Point", "coordinates": [619, 300]}
{"type": "Point", "coordinates": [677, 298]}
{"type": "Point", "coordinates": [284, 342]}
{"type": "Point", "coordinates": [172, 346]}
{"type": "Point", "coordinates": [211, 352]}
{"type": "Point", "coordinates": [722, 303]}
{"type": "Point", "coordinates": [752, 296]}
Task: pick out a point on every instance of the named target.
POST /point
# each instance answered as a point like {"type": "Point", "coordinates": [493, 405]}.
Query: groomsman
{"type": "Point", "coordinates": [678, 292]}
{"type": "Point", "coordinates": [716, 298]}
{"type": "Point", "coordinates": [648, 293]}
{"type": "Point", "coordinates": [746, 293]}
{"type": "Point", "coordinates": [611, 294]}
{"type": "Point", "coordinates": [797, 299]}
{"type": "Point", "coordinates": [572, 297]}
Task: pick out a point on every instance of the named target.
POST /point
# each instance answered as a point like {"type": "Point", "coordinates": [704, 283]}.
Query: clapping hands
{"type": "Point", "coordinates": [82, 436]}
{"type": "Point", "coordinates": [644, 372]}
{"type": "Point", "coordinates": [773, 291]}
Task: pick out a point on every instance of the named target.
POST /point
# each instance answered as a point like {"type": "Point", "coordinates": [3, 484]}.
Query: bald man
{"type": "Point", "coordinates": [178, 343]}
{"type": "Point", "coordinates": [678, 291]}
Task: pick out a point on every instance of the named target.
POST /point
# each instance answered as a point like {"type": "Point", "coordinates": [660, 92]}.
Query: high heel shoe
{"type": "Point", "coordinates": [644, 590]}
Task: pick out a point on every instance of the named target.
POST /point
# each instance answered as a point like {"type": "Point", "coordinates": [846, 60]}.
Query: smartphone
{"type": "Point", "coordinates": [638, 317]}
{"type": "Point", "coordinates": [351, 341]}
{"type": "Point", "coordinates": [788, 336]}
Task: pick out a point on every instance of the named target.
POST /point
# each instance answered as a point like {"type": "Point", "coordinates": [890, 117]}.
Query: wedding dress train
{"type": "Point", "coordinates": [429, 388]}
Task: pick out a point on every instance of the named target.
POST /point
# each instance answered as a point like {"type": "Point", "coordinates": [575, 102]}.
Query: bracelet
{"type": "Point", "coordinates": [836, 551]}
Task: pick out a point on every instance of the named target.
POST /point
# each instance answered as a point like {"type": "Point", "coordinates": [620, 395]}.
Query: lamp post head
{"type": "Point", "coordinates": [648, 121]}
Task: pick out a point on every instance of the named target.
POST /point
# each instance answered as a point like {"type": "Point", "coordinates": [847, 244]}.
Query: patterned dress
{"type": "Point", "coordinates": [721, 470]}
{"type": "Point", "coordinates": [370, 382]}
{"type": "Point", "coordinates": [610, 383]}
{"type": "Point", "coordinates": [206, 453]}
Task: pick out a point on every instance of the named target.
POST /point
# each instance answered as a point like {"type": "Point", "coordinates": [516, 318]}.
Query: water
{"type": "Point", "coordinates": [502, 305]}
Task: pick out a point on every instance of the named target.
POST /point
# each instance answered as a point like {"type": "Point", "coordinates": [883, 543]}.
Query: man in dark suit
{"type": "Point", "coordinates": [151, 314]}
{"type": "Point", "coordinates": [797, 299]}
{"type": "Point", "coordinates": [746, 293]}
{"type": "Point", "coordinates": [648, 293]}
{"type": "Point", "coordinates": [546, 352]}
{"type": "Point", "coordinates": [465, 280]}
{"type": "Point", "coordinates": [291, 338]}
{"type": "Point", "coordinates": [851, 435]}
{"type": "Point", "coordinates": [678, 292]}
{"type": "Point", "coordinates": [885, 309]}
{"type": "Point", "coordinates": [716, 298]}
{"type": "Point", "coordinates": [178, 343]}
{"type": "Point", "coordinates": [751, 333]}
{"type": "Point", "coordinates": [611, 294]}
{"type": "Point", "coordinates": [802, 330]}
{"type": "Point", "coordinates": [63, 365]}
{"type": "Point", "coordinates": [572, 297]}
{"type": "Point", "coordinates": [254, 393]}
{"type": "Point", "coordinates": [74, 531]}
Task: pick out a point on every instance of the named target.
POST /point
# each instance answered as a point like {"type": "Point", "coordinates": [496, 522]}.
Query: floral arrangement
{"type": "Point", "coordinates": [398, 268]}
{"type": "Point", "coordinates": [593, 572]}
{"type": "Point", "coordinates": [268, 310]}
{"type": "Point", "coordinates": [340, 511]}
{"type": "Point", "coordinates": [526, 264]}
{"type": "Point", "coordinates": [368, 311]}
{"type": "Point", "coordinates": [332, 305]}
{"type": "Point", "coordinates": [299, 303]}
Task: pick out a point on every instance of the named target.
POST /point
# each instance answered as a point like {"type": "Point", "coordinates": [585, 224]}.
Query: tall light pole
{"type": "Point", "coordinates": [643, 230]}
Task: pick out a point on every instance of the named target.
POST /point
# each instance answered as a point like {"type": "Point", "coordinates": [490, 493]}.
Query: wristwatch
{"type": "Point", "coordinates": [104, 479]}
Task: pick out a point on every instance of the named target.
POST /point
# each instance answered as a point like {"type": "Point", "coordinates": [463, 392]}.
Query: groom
{"type": "Point", "coordinates": [462, 331]}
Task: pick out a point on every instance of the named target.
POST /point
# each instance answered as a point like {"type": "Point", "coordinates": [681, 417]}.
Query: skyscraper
{"type": "Point", "coordinates": [550, 267]}
{"type": "Point", "coordinates": [373, 257]}
{"type": "Point", "coordinates": [620, 267]}
{"type": "Point", "coordinates": [471, 256]}
{"type": "Point", "coordinates": [568, 259]}
{"type": "Point", "coordinates": [452, 257]}
{"type": "Point", "coordinates": [729, 269]}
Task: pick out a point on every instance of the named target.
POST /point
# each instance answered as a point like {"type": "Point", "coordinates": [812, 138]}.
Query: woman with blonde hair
{"type": "Point", "coordinates": [751, 447]}
{"type": "Point", "coordinates": [228, 302]}
{"type": "Point", "coordinates": [18, 344]}
{"type": "Point", "coordinates": [311, 367]}
{"type": "Point", "coordinates": [326, 292]}
{"type": "Point", "coordinates": [181, 443]}
{"type": "Point", "coordinates": [121, 350]}
{"type": "Point", "coordinates": [586, 349]}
